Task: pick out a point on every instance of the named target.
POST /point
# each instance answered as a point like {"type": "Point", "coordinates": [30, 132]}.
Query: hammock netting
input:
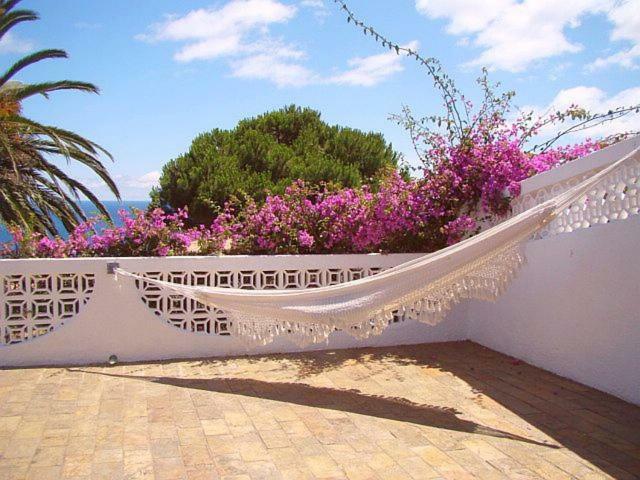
{"type": "Point", "coordinates": [424, 289]}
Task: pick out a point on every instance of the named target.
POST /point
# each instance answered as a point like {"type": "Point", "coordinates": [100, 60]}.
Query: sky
{"type": "Point", "coordinates": [171, 69]}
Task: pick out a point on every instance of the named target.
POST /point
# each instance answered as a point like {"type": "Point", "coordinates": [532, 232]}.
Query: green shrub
{"type": "Point", "coordinates": [266, 154]}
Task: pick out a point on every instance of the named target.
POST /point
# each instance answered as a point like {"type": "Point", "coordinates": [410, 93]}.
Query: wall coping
{"type": "Point", "coordinates": [580, 167]}
{"type": "Point", "coordinates": [561, 174]}
{"type": "Point", "coordinates": [198, 258]}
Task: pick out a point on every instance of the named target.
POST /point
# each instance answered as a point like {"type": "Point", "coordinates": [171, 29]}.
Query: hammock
{"type": "Point", "coordinates": [424, 289]}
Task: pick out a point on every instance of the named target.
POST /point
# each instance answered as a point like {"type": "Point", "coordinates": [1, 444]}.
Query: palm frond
{"type": "Point", "coordinates": [30, 60]}
{"type": "Point", "coordinates": [75, 186]}
{"type": "Point", "coordinates": [22, 92]}
{"type": "Point", "coordinates": [35, 193]}
{"type": "Point", "coordinates": [6, 5]}
{"type": "Point", "coordinates": [9, 19]}
{"type": "Point", "coordinates": [88, 145]}
{"type": "Point", "coordinates": [68, 144]}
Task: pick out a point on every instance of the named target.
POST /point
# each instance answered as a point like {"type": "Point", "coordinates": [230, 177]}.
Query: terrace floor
{"type": "Point", "coordinates": [452, 410]}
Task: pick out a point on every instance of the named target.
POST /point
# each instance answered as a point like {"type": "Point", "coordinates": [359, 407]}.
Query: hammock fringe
{"type": "Point", "coordinates": [424, 289]}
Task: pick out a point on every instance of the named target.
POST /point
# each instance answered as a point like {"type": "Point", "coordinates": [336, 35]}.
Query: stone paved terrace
{"type": "Point", "coordinates": [454, 410]}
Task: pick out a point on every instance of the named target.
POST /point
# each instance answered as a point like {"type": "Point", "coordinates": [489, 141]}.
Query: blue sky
{"type": "Point", "coordinates": [170, 69]}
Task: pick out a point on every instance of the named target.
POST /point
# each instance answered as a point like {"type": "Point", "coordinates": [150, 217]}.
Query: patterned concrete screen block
{"type": "Point", "coordinates": [618, 202]}
{"type": "Point", "coordinates": [35, 304]}
{"type": "Point", "coordinates": [193, 316]}
{"type": "Point", "coordinates": [578, 293]}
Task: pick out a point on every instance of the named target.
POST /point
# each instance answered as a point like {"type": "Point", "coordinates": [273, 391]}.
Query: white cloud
{"type": "Point", "coordinates": [465, 16]}
{"type": "Point", "coordinates": [12, 44]}
{"type": "Point", "coordinates": [130, 187]}
{"type": "Point", "coordinates": [319, 8]}
{"type": "Point", "coordinates": [277, 69]}
{"type": "Point", "coordinates": [514, 34]}
{"type": "Point", "coordinates": [624, 58]}
{"type": "Point", "coordinates": [313, 4]}
{"type": "Point", "coordinates": [596, 100]}
{"type": "Point", "coordinates": [274, 61]}
{"type": "Point", "coordinates": [95, 183]}
{"type": "Point", "coordinates": [146, 181]}
{"type": "Point", "coordinates": [625, 17]}
{"type": "Point", "coordinates": [210, 48]}
{"type": "Point", "coordinates": [371, 70]}
{"type": "Point", "coordinates": [239, 32]}
{"type": "Point", "coordinates": [226, 31]}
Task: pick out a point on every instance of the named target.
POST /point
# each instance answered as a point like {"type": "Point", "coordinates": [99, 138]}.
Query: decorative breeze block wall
{"type": "Point", "coordinates": [35, 304]}
{"type": "Point", "coordinates": [194, 316]}
{"type": "Point", "coordinates": [619, 200]}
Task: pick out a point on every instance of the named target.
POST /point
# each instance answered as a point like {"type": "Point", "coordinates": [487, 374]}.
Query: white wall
{"type": "Point", "coordinates": [574, 309]}
{"type": "Point", "coordinates": [116, 321]}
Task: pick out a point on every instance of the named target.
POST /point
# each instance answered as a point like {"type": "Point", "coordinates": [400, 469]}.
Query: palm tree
{"type": "Point", "coordinates": [34, 190]}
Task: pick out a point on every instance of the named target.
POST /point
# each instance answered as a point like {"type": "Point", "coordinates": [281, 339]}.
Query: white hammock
{"type": "Point", "coordinates": [424, 289]}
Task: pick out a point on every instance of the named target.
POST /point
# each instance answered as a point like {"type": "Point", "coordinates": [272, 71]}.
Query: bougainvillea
{"type": "Point", "coordinates": [473, 161]}
{"type": "Point", "coordinates": [418, 215]}
{"type": "Point", "coordinates": [151, 233]}
{"type": "Point", "coordinates": [469, 171]}
{"type": "Point", "coordinates": [464, 184]}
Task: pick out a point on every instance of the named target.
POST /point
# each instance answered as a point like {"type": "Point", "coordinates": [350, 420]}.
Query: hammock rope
{"type": "Point", "coordinates": [424, 289]}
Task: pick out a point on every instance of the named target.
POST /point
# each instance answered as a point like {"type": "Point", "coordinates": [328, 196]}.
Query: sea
{"type": "Point", "coordinates": [112, 207]}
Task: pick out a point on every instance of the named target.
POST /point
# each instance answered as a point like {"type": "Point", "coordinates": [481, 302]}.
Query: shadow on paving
{"type": "Point", "coordinates": [352, 401]}
{"type": "Point", "coordinates": [598, 427]}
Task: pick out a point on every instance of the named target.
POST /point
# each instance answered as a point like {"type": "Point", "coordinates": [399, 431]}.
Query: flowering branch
{"type": "Point", "coordinates": [441, 80]}
{"type": "Point", "coordinates": [461, 124]}
{"type": "Point", "coordinates": [585, 121]}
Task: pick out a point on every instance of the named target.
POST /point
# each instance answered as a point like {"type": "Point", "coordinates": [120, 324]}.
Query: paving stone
{"type": "Point", "coordinates": [452, 411]}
